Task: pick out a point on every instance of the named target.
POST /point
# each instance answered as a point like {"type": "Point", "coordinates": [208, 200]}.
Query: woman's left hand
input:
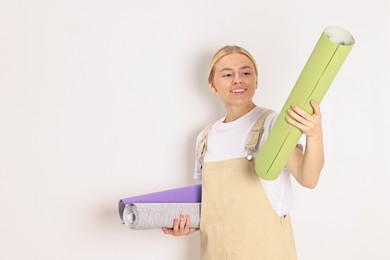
{"type": "Point", "coordinates": [309, 124]}
{"type": "Point", "coordinates": [306, 167]}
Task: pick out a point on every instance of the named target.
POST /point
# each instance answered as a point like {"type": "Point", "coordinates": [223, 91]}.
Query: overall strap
{"type": "Point", "coordinates": [203, 143]}
{"type": "Point", "coordinates": [256, 134]}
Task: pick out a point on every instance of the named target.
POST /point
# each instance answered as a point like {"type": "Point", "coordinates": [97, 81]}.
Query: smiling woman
{"type": "Point", "coordinates": [224, 163]}
{"type": "Point", "coordinates": [233, 76]}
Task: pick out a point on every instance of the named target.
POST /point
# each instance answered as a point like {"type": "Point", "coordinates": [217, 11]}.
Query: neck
{"type": "Point", "coordinates": [235, 112]}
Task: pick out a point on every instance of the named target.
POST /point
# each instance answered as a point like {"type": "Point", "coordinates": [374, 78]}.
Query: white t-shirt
{"type": "Point", "coordinates": [228, 140]}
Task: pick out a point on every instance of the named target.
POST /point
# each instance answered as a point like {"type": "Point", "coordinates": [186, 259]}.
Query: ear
{"type": "Point", "coordinates": [212, 88]}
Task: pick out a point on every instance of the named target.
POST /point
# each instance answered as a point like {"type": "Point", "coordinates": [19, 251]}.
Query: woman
{"type": "Point", "coordinates": [243, 216]}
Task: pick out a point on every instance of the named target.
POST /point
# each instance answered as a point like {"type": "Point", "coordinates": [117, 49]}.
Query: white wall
{"type": "Point", "coordinates": [101, 100]}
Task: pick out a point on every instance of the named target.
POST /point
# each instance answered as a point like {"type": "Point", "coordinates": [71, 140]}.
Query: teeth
{"type": "Point", "coordinates": [237, 90]}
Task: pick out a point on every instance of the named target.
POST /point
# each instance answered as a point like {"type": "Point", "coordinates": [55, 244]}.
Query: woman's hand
{"type": "Point", "coordinates": [307, 167]}
{"type": "Point", "coordinates": [180, 228]}
{"type": "Point", "coordinates": [310, 125]}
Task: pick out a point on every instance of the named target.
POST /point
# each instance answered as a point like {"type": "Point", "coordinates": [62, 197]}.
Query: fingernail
{"type": "Point", "coordinates": [289, 111]}
{"type": "Point", "coordinates": [293, 106]}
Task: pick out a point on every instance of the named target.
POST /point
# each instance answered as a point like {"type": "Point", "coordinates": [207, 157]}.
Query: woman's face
{"type": "Point", "coordinates": [235, 80]}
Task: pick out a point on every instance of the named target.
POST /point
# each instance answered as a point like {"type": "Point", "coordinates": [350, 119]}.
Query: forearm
{"type": "Point", "coordinates": [312, 162]}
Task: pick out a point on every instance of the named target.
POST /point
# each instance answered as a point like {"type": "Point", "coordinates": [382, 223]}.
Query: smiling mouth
{"type": "Point", "coordinates": [242, 90]}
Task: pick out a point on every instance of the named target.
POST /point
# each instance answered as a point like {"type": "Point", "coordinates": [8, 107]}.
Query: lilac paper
{"type": "Point", "coordinates": [180, 195]}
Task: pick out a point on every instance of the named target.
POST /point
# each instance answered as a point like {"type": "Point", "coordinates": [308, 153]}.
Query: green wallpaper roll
{"type": "Point", "coordinates": [324, 62]}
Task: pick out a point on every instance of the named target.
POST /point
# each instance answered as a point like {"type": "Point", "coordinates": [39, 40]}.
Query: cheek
{"type": "Point", "coordinates": [221, 83]}
{"type": "Point", "coordinates": [252, 83]}
{"type": "Point", "coordinates": [249, 79]}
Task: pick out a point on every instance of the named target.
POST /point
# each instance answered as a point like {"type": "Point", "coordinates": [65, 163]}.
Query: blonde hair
{"type": "Point", "coordinates": [224, 51]}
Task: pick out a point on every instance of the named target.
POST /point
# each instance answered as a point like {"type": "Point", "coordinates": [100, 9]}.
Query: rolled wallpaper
{"type": "Point", "coordinates": [324, 62]}
{"type": "Point", "coordinates": [158, 215]}
{"type": "Point", "coordinates": [184, 195]}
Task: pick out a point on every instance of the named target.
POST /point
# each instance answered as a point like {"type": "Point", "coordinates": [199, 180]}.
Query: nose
{"type": "Point", "coordinates": [237, 80]}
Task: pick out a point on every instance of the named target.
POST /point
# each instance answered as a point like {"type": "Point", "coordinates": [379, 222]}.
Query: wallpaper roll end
{"type": "Point", "coordinates": [339, 35]}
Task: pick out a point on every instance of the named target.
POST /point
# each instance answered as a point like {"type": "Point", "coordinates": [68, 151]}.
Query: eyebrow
{"type": "Point", "coordinates": [244, 67]}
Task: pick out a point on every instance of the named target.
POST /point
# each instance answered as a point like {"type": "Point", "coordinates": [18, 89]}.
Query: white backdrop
{"type": "Point", "coordinates": [101, 100]}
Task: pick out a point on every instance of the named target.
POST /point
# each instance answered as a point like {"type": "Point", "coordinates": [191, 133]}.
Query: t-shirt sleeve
{"type": "Point", "coordinates": [272, 120]}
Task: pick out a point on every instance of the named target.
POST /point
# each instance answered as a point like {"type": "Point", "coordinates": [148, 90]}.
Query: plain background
{"type": "Point", "coordinates": [101, 100]}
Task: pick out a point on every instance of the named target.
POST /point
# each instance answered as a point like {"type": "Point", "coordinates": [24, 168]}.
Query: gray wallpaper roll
{"type": "Point", "coordinates": [158, 215]}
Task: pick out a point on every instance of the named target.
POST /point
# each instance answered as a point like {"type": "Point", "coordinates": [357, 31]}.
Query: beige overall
{"type": "Point", "coordinates": [237, 219]}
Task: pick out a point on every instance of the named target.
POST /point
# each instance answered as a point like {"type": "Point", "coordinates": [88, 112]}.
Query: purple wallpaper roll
{"type": "Point", "coordinates": [180, 195]}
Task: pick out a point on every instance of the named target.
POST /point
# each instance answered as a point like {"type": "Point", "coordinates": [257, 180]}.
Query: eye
{"type": "Point", "coordinates": [247, 73]}
{"type": "Point", "coordinates": [227, 75]}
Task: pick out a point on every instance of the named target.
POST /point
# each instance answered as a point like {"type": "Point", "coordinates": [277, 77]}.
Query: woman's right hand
{"type": "Point", "coordinates": [180, 228]}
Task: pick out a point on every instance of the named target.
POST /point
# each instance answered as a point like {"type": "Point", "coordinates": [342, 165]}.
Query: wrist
{"type": "Point", "coordinates": [316, 138]}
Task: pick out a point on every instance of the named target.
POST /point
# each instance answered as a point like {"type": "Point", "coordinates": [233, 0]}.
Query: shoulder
{"type": "Point", "coordinates": [206, 129]}
{"type": "Point", "coordinates": [260, 110]}
{"type": "Point", "coordinates": [271, 118]}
